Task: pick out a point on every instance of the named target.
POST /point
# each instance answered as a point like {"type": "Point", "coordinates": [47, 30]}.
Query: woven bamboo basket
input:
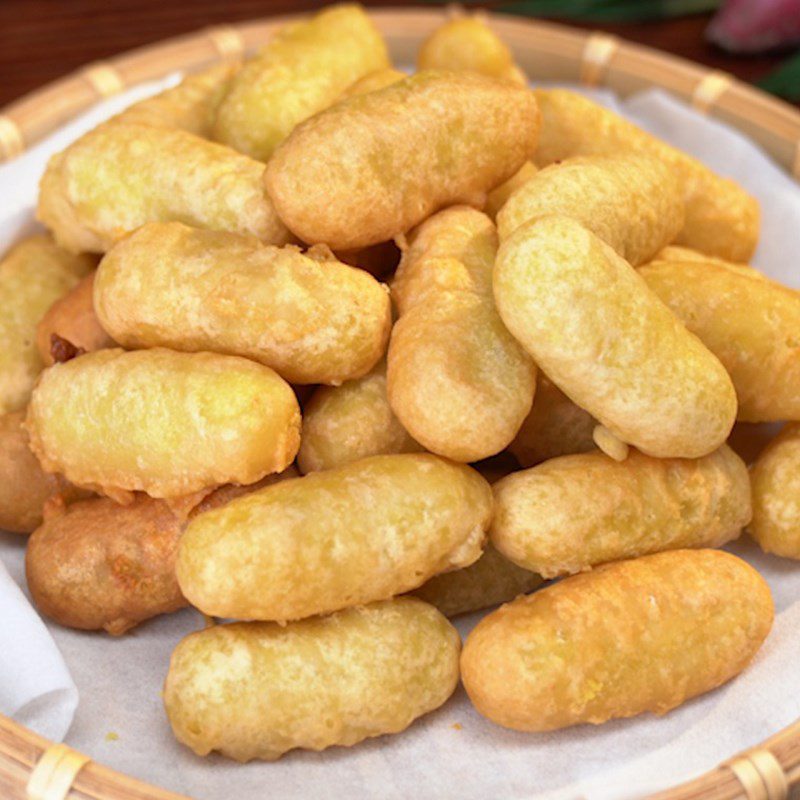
{"type": "Point", "coordinates": [33, 768]}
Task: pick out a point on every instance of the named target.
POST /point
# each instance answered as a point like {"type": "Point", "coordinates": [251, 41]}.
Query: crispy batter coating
{"type": "Point", "coordinates": [190, 106]}
{"type": "Point", "coordinates": [374, 166]}
{"type": "Point", "coordinates": [100, 565]}
{"type": "Point", "coordinates": [301, 71]}
{"type": "Point", "coordinates": [498, 197]}
{"type": "Point", "coordinates": [632, 202]}
{"type": "Point", "coordinates": [362, 532]}
{"type": "Point", "coordinates": [458, 381]}
{"type": "Point", "coordinates": [33, 274]}
{"type": "Point", "coordinates": [606, 340]}
{"type": "Point", "coordinates": [344, 423]}
{"type": "Point", "coordinates": [308, 316]}
{"type": "Point", "coordinates": [468, 44]}
{"type": "Point", "coordinates": [492, 579]}
{"type": "Point", "coordinates": [118, 177]}
{"type": "Point", "coordinates": [555, 427]}
{"type": "Point", "coordinates": [257, 689]}
{"type": "Point", "coordinates": [25, 487]}
{"type": "Point", "coordinates": [575, 512]}
{"type": "Point", "coordinates": [750, 323]}
{"type": "Point", "coordinates": [72, 318]}
{"type": "Point", "coordinates": [634, 636]}
{"type": "Point", "coordinates": [374, 81]}
{"type": "Point", "coordinates": [776, 495]}
{"type": "Point", "coordinates": [721, 218]}
{"type": "Point", "coordinates": [165, 423]}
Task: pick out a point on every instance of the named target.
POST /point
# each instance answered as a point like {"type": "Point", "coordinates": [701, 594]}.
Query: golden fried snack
{"type": "Point", "coordinates": [301, 71]}
{"type": "Point", "coordinates": [492, 579]}
{"type": "Point", "coordinates": [374, 81]}
{"type": "Point", "coordinates": [99, 565]}
{"type": "Point", "coordinates": [632, 202]}
{"type": "Point", "coordinates": [25, 487]}
{"type": "Point", "coordinates": [721, 218]}
{"type": "Point", "coordinates": [190, 106]}
{"type": "Point", "coordinates": [555, 427]}
{"type": "Point", "coordinates": [373, 166]}
{"type": "Point", "coordinates": [575, 512]}
{"type": "Point", "coordinates": [458, 381]}
{"type": "Point", "coordinates": [498, 197]}
{"type": "Point", "coordinates": [362, 532]}
{"type": "Point", "coordinates": [72, 318]}
{"type": "Point", "coordinates": [33, 274]}
{"type": "Point", "coordinates": [118, 177]}
{"type": "Point", "coordinates": [605, 339]}
{"type": "Point", "coordinates": [165, 423]}
{"type": "Point", "coordinates": [257, 689]}
{"type": "Point", "coordinates": [634, 636]}
{"type": "Point", "coordinates": [468, 44]}
{"type": "Point", "coordinates": [748, 321]}
{"type": "Point", "coordinates": [344, 423]}
{"type": "Point", "coordinates": [308, 316]}
{"type": "Point", "coordinates": [776, 495]}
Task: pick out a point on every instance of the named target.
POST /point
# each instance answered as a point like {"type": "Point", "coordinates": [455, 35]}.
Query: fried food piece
{"type": "Point", "coordinates": [555, 427]}
{"type": "Point", "coordinates": [468, 44]}
{"type": "Point", "coordinates": [634, 636]}
{"type": "Point", "coordinates": [165, 423]}
{"type": "Point", "coordinates": [301, 71]}
{"type": "Point", "coordinates": [492, 579]}
{"type": "Point", "coordinates": [308, 316]}
{"type": "Point", "coordinates": [118, 177]}
{"type": "Point", "coordinates": [721, 218]}
{"type": "Point", "coordinates": [776, 495]}
{"type": "Point", "coordinates": [257, 689]}
{"type": "Point", "coordinates": [33, 274]}
{"type": "Point", "coordinates": [606, 340]}
{"type": "Point", "coordinates": [374, 81]}
{"type": "Point", "coordinates": [190, 106]}
{"type": "Point", "coordinates": [632, 202]}
{"type": "Point", "coordinates": [374, 166]}
{"type": "Point", "coordinates": [362, 532]}
{"type": "Point", "coordinates": [72, 318]}
{"type": "Point", "coordinates": [749, 322]}
{"type": "Point", "coordinates": [458, 381]}
{"type": "Point", "coordinates": [345, 423]}
{"type": "Point", "coordinates": [25, 487]}
{"type": "Point", "coordinates": [575, 512]}
{"type": "Point", "coordinates": [99, 565]}
{"type": "Point", "coordinates": [498, 197]}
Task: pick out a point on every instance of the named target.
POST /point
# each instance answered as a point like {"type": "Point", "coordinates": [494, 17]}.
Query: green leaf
{"type": "Point", "coordinates": [606, 10]}
{"type": "Point", "coordinates": [785, 80]}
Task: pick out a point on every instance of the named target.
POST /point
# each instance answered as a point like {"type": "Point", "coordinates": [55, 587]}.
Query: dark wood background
{"type": "Point", "coordinates": [41, 40]}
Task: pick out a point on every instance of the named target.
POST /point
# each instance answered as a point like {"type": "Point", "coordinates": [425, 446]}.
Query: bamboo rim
{"type": "Point", "coordinates": [33, 768]}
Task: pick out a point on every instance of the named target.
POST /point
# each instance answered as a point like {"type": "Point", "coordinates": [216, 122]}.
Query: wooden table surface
{"type": "Point", "coordinates": [41, 40]}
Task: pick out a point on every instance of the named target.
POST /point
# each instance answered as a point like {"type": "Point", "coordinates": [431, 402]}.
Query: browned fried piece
{"type": "Point", "coordinates": [102, 565]}
{"type": "Point", "coordinates": [72, 319]}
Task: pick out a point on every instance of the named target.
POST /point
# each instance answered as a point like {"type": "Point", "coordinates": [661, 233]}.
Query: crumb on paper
{"type": "Point", "coordinates": [457, 726]}
{"type": "Point", "coordinates": [112, 737]}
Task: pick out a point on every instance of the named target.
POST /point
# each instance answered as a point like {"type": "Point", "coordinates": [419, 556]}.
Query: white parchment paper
{"type": "Point", "coordinates": [120, 720]}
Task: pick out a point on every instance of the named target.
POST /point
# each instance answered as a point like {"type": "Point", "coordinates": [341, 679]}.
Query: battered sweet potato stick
{"type": "Point", "coordinates": [301, 71]}
{"type": "Point", "coordinates": [630, 637]}
{"type": "Point", "coordinates": [375, 165]}
{"type": "Point", "coordinates": [721, 218]}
